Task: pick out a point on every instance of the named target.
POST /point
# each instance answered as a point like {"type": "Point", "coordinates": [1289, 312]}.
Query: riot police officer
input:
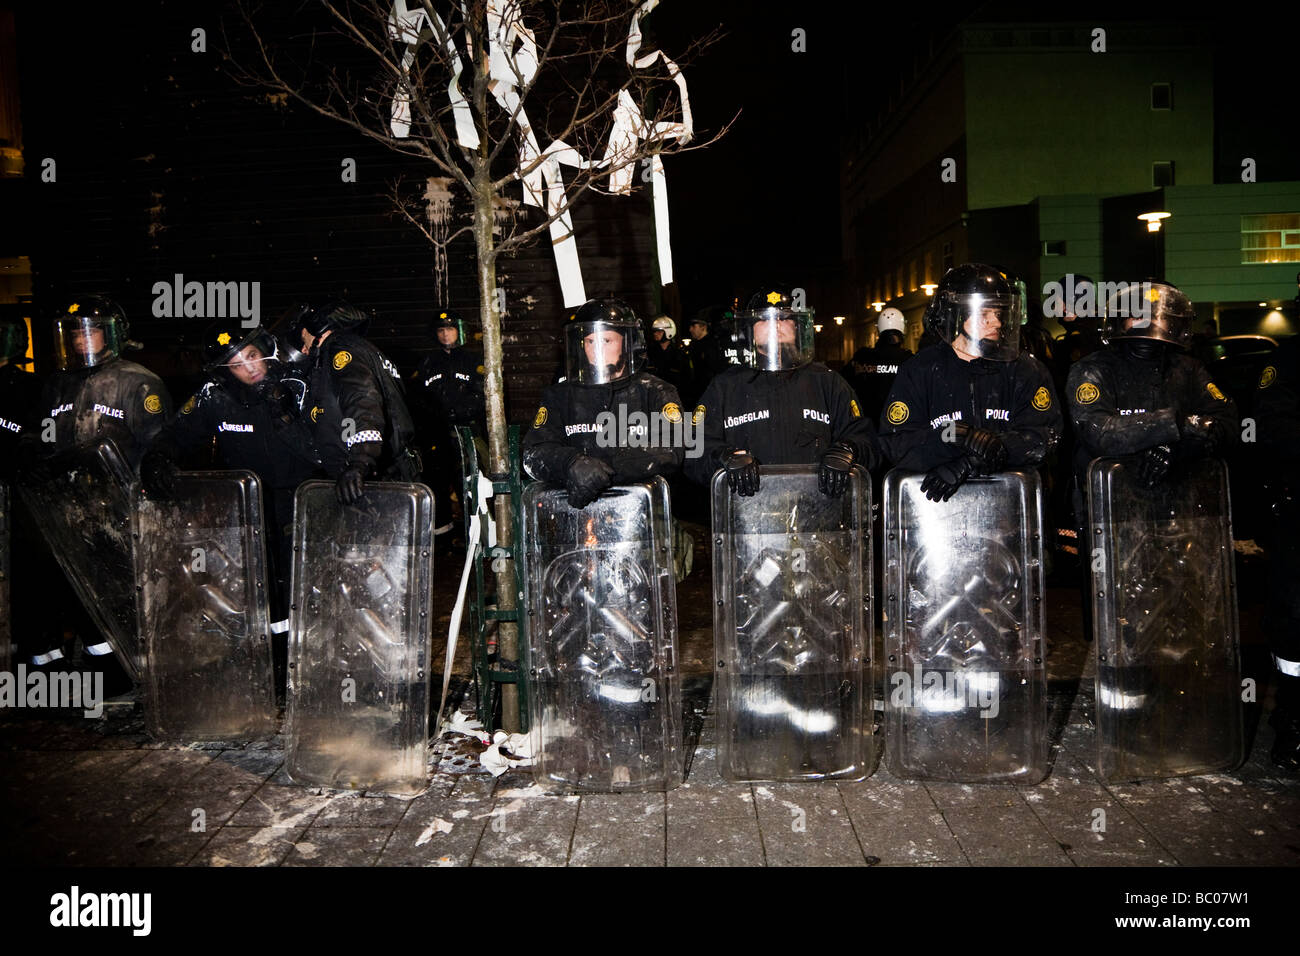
{"type": "Point", "coordinates": [19, 394]}
{"type": "Point", "coordinates": [782, 409]}
{"type": "Point", "coordinates": [360, 422]}
{"type": "Point", "coordinates": [608, 422]}
{"type": "Point", "coordinates": [876, 368]}
{"type": "Point", "coordinates": [1142, 394]}
{"type": "Point", "coordinates": [95, 394]}
{"type": "Point", "coordinates": [706, 352]}
{"type": "Point", "coordinates": [446, 392]}
{"type": "Point", "coordinates": [251, 410]}
{"type": "Point", "coordinates": [666, 358]}
{"type": "Point", "coordinates": [972, 404]}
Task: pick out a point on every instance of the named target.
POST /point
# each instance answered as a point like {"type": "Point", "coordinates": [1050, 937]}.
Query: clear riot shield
{"type": "Point", "coordinates": [602, 640]}
{"type": "Point", "coordinates": [6, 616]}
{"type": "Point", "coordinates": [965, 683]}
{"type": "Point", "coordinates": [1165, 617]}
{"type": "Point", "coordinates": [359, 632]}
{"type": "Point", "coordinates": [200, 567]}
{"type": "Point", "coordinates": [84, 513]}
{"type": "Point", "coordinates": [790, 566]}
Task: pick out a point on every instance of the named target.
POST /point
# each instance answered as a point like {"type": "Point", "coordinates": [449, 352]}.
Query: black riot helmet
{"type": "Point", "coordinates": [977, 310]}
{"type": "Point", "coordinates": [90, 331]}
{"type": "Point", "coordinates": [13, 340]}
{"type": "Point", "coordinates": [335, 315]}
{"type": "Point", "coordinates": [1151, 310]}
{"type": "Point", "coordinates": [243, 355]}
{"type": "Point", "coordinates": [603, 343]}
{"type": "Point", "coordinates": [775, 331]}
{"type": "Point", "coordinates": [448, 319]}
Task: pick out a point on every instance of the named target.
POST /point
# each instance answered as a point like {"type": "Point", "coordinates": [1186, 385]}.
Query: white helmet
{"type": "Point", "coordinates": [667, 324]}
{"type": "Point", "coordinates": [891, 320]}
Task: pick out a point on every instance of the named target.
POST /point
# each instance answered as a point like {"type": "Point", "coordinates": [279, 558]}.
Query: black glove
{"type": "Point", "coordinates": [1200, 435]}
{"type": "Point", "coordinates": [351, 485]}
{"type": "Point", "coordinates": [158, 475]}
{"type": "Point", "coordinates": [837, 465]}
{"type": "Point", "coordinates": [987, 449]}
{"type": "Point", "coordinates": [742, 472]}
{"type": "Point", "coordinates": [1153, 464]}
{"type": "Point", "coordinates": [587, 477]}
{"type": "Point", "coordinates": [942, 481]}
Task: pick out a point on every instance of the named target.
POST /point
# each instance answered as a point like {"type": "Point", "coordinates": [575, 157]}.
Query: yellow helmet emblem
{"type": "Point", "coordinates": [774, 297]}
{"type": "Point", "coordinates": [74, 307]}
{"type": "Point", "coordinates": [223, 338]}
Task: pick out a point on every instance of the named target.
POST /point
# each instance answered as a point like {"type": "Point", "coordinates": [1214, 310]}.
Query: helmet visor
{"type": "Point", "coordinates": [1146, 310]}
{"type": "Point", "coordinates": [776, 339]}
{"type": "Point", "coordinates": [986, 326]}
{"type": "Point", "coordinates": [597, 353]}
{"type": "Point", "coordinates": [83, 341]}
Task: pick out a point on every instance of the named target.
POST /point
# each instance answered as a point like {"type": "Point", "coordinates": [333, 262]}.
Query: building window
{"type": "Point", "coordinates": [1162, 174]}
{"type": "Point", "coordinates": [947, 257]}
{"type": "Point", "coordinates": [929, 265]}
{"type": "Point", "coordinates": [911, 276]}
{"type": "Point", "coordinates": [1162, 96]}
{"type": "Point", "coordinates": [1053, 247]}
{"type": "Point", "coordinates": [1270, 237]}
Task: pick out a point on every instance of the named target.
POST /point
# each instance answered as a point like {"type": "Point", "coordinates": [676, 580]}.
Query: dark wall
{"type": "Point", "coordinates": [165, 165]}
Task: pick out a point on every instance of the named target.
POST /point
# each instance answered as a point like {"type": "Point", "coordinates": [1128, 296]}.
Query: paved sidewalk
{"type": "Point", "coordinates": [101, 793]}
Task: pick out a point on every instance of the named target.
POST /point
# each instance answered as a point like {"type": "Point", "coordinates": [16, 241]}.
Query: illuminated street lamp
{"type": "Point", "coordinates": [929, 287]}
{"type": "Point", "coordinates": [839, 320]}
{"type": "Point", "coordinates": [1153, 220]}
{"type": "Point", "coordinates": [877, 306]}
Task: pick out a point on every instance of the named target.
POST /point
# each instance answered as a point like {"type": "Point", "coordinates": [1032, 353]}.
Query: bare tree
{"type": "Point", "coordinates": [544, 99]}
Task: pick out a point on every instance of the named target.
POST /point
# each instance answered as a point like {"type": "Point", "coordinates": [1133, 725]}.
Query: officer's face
{"type": "Point", "coordinates": [87, 341]}
{"type": "Point", "coordinates": [604, 349]}
{"type": "Point", "coordinates": [249, 365]}
{"type": "Point", "coordinates": [698, 330]}
{"type": "Point", "coordinates": [985, 324]}
{"type": "Point", "coordinates": [447, 337]}
{"type": "Point", "coordinates": [766, 329]}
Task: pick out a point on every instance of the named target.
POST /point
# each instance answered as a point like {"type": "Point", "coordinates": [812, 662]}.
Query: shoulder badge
{"type": "Point", "coordinates": [1087, 393]}
{"type": "Point", "coordinates": [152, 404]}
{"type": "Point", "coordinates": [698, 416]}
{"type": "Point", "coordinates": [481, 370]}
{"type": "Point", "coordinates": [1042, 399]}
{"type": "Point", "coordinates": [853, 407]}
{"type": "Point", "coordinates": [1214, 390]}
{"type": "Point", "coordinates": [1267, 377]}
{"type": "Point", "coordinates": [315, 413]}
{"type": "Point", "coordinates": [540, 420]}
{"type": "Point", "coordinates": [897, 413]}
{"type": "Point", "coordinates": [672, 413]}
{"type": "Point", "coordinates": [188, 406]}
{"type": "Point", "coordinates": [341, 360]}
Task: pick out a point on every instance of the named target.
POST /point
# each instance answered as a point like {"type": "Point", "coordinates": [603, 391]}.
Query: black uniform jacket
{"type": "Point", "coordinates": [1013, 399]}
{"type": "Point", "coordinates": [358, 412]}
{"type": "Point", "coordinates": [636, 425]}
{"type": "Point", "coordinates": [782, 418]}
{"type": "Point", "coordinates": [118, 400]}
{"type": "Point", "coordinates": [261, 429]}
{"type": "Point", "coordinates": [1121, 404]}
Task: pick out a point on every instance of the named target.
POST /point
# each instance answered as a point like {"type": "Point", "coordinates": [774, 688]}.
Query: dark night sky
{"type": "Point", "coordinates": [759, 206]}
